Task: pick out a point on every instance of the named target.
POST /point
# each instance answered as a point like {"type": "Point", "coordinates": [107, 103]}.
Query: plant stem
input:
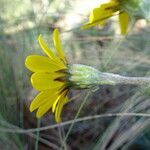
{"type": "Point", "coordinates": [37, 135]}
{"type": "Point", "coordinates": [77, 115]}
{"type": "Point", "coordinates": [118, 79]}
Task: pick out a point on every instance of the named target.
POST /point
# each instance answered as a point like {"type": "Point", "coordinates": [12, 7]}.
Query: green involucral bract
{"type": "Point", "coordinates": [82, 77]}
{"type": "Point", "coordinates": [140, 9]}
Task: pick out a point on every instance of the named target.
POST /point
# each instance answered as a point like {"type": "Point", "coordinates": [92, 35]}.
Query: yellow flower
{"type": "Point", "coordinates": [100, 15]}
{"type": "Point", "coordinates": [53, 77]}
{"type": "Point", "coordinates": [49, 78]}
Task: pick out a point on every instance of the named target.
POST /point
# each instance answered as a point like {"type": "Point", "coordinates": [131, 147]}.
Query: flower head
{"type": "Point", "coordinates": [49, 78]}
{"type": "Point", "coordinates": [101, 14]}
{"type": "Point", "coordinates": [53, 77]}
{"type": "Point", "coordinates": [126, 9]}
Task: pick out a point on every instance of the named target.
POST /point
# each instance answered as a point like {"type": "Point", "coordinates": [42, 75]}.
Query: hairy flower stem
{"type": "Point", "coordinates": [82, 76]}
{"type": "Point", "coordinates": [118, 79]}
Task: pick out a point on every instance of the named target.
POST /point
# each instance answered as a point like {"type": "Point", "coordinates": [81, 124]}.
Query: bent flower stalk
{"type": "Point", "coordinates": [127, 10]}
{"type": "Point", "coordinates": [53, 77]}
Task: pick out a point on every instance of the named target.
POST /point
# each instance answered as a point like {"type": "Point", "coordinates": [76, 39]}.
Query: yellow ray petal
{"type": "Point", "coordinates": [46, 106]}
{"type": "Point", "coordinates": [57, 44]}
{"type": "Point", "coordinates": [124, 22]}
{"type": "Point", "coordinates": [42, 98]}
{"type": "Point", "coordinates": [100, 14]}
{"type": "Point", "coordinates": [100, 22]}
{"type": "Point", "coordinates": [49, 52]}
{"type": "Point", "coordinates": [55, 104]}
{"type": "Point", "coordinates": [57, 100]}
{"type": "Point", "coordinates": [45, 48]}
{"type": "Point", "coordinates": [38, 63]}
{"type": "Point", "coordinates": [59, 108]}
{"type": "Point", "coordinates": [45, 81]}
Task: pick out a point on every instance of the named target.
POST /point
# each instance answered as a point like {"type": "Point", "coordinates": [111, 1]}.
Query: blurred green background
{"type": "Point", "coordinates": [21, 21]}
